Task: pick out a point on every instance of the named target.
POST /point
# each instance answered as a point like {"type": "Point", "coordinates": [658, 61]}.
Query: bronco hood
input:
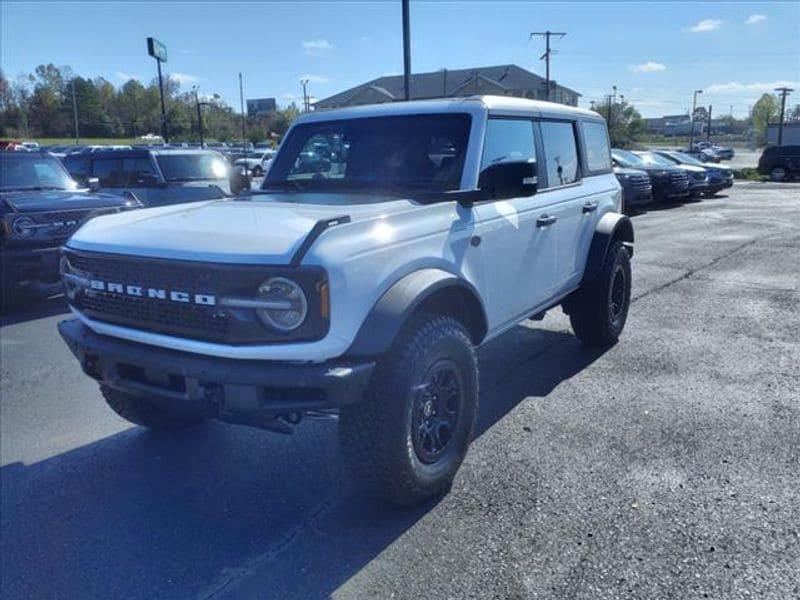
{"type": "Point", "coordinates": [55, 200]}
{"type": "Point", "coordinates": [266, 229]}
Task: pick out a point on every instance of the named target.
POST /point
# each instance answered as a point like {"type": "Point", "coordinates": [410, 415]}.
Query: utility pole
{"type": "Point", "coordinates": [784, 92]}
{"type": "Point", "coordinates": [614, 88]}
{"type": "Point", "coordinates": [75, 113]}
{"type": "Point", "coordinates": [694, 108]}
{"type": "Point", "coordinates": [608, 112]}
{"type": "Point", "coordinates": [406, 49]}
{"type": "Point", "coordinates": [241, 108]}
{"type": "Point", "coordinates": [546, 56]}
{"type": "Point", "coordinates": [444, 83]}
{"type": "Point", "coordinates": [304, 83]}
{"type": "Point", "coordinates": [708, 132]}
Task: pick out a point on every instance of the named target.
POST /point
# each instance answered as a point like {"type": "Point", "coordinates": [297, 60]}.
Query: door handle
{"type": "Point", "coordinates": [545, 220]}
{"type": "Point", "coordinates": [590, 206]}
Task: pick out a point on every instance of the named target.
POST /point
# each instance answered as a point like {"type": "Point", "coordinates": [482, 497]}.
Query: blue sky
{"type": "Point", "coordinates": [655, 53]}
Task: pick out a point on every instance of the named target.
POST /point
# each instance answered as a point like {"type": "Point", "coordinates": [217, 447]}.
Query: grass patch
{"type": "Point", "coordinates": [749, 174]}
{"type": "Point", "coordinates": [87, 141]}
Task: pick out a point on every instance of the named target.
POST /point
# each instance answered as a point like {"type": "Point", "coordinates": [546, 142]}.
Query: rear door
{"type": "Point", "coordinates": [518, 237]}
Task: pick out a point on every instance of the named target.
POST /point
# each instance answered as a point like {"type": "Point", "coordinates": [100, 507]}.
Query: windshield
{"type": "Point", "coordinates": [398, 155]}
{"type": "Point", "coordinates": [685, 158]}
{"type": "Point", "coordinates": [33, 173]}
{"type": "Point", "coordinates": [191, 167]}
{"type": "Point", "coordinates": [652, 159]}
{"type": "Point", "coordinates": [627, 159]}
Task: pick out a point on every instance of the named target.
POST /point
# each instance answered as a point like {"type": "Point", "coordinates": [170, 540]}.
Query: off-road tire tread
{"type": "Point", "coordinates": [589, 309]}
{"type": "Point", "coordinates": [366, 428]}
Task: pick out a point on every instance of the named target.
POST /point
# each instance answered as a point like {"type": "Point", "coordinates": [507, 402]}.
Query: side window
{"type": "Point", "coordinates": [79, 167]}
{"type": "Point", "coordinates": [560, 152]}
{"type": "Point", "coordinates": [598, 154]}
{"type": "Point", "coordinates": [109, 171]}
{"type": "Point", "coordinates": [508, 140]}
{"type": "Point", "coordinates": [135, 169]}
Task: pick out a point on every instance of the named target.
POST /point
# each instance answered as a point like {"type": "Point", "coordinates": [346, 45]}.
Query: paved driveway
{"type": "Point", "coordinates": [666, 467]}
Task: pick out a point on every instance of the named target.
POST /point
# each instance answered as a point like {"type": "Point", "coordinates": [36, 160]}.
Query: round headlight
{"type": "Point", "coordinates": [24, 227]}
{"type": "Point", "coordinates": [289, 301]}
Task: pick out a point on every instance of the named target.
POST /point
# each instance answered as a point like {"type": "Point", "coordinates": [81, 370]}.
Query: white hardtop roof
{"type": "Point", "coordinates": [507, 105]}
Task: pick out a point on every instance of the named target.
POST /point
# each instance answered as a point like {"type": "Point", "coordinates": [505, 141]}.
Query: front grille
{"type": "Point", "coordinates": [55, 227]}
{"type": "Point", "coordinates": [679, 179]}
{"type": "Point", "coordinates": [640, 182]}
{"type": "Point", "coordinates": [206, 322]}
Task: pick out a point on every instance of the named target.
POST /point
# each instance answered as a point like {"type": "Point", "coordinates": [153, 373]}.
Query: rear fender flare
{"type": "Point", "coordinates": [612, 226]}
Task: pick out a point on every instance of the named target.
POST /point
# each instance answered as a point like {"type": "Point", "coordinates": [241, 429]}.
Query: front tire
{"type": "Point", "coordinates": [146, 412]}
{"type": "Point", "coordinates": [11, 295]}
{"type": "Point", "coordinates": [599, 310]}
{"type": "Point", "coordinates": [778, 174]}
{"type": "Point", "coordinates": [407, 439]}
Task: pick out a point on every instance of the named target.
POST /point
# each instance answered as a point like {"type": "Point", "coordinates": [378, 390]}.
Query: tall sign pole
{"type": "Point", "coordinates": [547, 52]}
{"type": "Point", "coordinates": [694, 109]}
{"type": "Point", "coordinates": [158, 51]}
{"type": "Point", "coordinates": [406, 50]}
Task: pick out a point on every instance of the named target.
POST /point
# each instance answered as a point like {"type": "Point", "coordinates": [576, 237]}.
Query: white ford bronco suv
{"type": "Point", "coordinates": [386, 243]}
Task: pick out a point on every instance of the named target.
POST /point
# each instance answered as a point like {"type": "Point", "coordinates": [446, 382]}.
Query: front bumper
{"type": "Point", "coordinates": [637, 197]}
{"type": "Point", "coordinates": [241, 391]}
{"type": "Point", "coordinates": [30, 264]}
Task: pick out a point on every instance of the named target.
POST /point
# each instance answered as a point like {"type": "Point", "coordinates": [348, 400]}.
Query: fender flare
{"type": "Point", "coordinates": [390, 313]}
{"type": "Point", "coordinates": [610, 227]}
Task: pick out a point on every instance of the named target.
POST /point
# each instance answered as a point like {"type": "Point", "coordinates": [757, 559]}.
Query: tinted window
{"type": "Point", "coordinates": [508, 140]}
{"type": "Point", "coordinates": [80, 167]}
{"type": "Point", "coordinates": [108, 171]}
{"type": "Point", "coordinates": [598, 154]}
{"type": "Point", "coordinates": [134, 170]}
{"type": "Point", "coordinates": [193, 167]}
{"type": "Point", "coordinates": [560, 152]}
{"type": "Point", "coordinates": [392, 155]}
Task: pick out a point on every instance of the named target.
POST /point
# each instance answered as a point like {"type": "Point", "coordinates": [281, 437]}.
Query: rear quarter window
{"type": "Point", "coordinates": [598, 152]}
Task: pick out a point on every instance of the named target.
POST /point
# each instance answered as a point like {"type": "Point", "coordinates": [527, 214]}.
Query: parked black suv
{"type": "Point", "coordinates": [781, 163]}
{"type": "Point", "coordinates": [157, 176]}
{"type": "Point", "coordinates": [637, 191]}
{"type": "Point", "coordinates": [40, 207]}
{"type": "Point", "coordinates": [669, 183]}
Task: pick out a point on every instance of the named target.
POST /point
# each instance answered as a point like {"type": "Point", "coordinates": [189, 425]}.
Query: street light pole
{"type": "Point", "coordinates": [784, 92]}
{"type": "Point", "coordinates": [406, 50]}
{"type": "Point", "coordinates": [304, 83]}
{"type": "Point", "coordinates": [241, 108]}
{"type": "Point", "coordinates": [694, 108]}
{"type": "Point", "coordinates": [75, 113]}
{"type": "Point", "coordinates": [199, 115]}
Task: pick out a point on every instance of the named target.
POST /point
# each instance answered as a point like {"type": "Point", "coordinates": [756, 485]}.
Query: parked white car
{"type": "Point", "coordinates": [386, 243]}
{"type": "Point", "coordinates": [257, 162]}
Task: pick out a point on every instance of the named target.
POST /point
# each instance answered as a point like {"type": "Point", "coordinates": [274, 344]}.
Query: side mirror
{"type": "Point", "coordinates": [239, 180]}
{"type": "Point", "coordinates": [93, 183]}
{"type": "Point", "coordinates": [147, 179]}
{"type": "Point", "coordinates": [511, 179]}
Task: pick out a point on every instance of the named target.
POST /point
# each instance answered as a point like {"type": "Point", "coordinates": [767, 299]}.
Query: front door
{"type": "Point", "coordinates": [518, 235]}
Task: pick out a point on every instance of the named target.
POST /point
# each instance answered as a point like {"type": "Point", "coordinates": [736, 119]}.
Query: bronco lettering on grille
{"type": "Point", "coordinates": [155, 293]}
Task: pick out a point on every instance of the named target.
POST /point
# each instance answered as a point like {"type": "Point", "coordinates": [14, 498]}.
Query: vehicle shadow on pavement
{"type": "Point", "coordinates": [228, 511]}
{"type": "Point", "coordinates": [35, 308]}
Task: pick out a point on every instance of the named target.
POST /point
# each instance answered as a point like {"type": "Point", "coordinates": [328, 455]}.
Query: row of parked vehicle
{"type": "Point", "coordinates": [666, 176]}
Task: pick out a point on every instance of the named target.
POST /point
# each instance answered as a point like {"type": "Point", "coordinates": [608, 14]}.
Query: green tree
{"type": "Point", "coordinates": [625, 124]}
{"type": "Point", "coordinates": [765, 111]}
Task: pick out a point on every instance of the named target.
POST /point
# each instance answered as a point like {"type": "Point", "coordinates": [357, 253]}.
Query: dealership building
{"type": "Point", "coordinates": [502, 80]}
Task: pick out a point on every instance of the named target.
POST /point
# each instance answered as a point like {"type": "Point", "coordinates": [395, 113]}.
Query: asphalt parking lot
{"type": "Point", "coordinates": [665, 467]}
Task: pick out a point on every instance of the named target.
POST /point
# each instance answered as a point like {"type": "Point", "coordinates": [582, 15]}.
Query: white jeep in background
{"type": "Point", "coordinates": [257, 161]}
{"type": "Point", "coordinates": [386, 243]}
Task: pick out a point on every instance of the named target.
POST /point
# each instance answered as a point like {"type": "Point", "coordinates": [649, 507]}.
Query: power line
{"type": "Point", "coordinates": [546, 56]}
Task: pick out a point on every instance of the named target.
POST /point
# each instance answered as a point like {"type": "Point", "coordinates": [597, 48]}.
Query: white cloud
{"type": "Point", "coordinates": [316, 47]}
{"type": "Point", "coordinates": [184, 79]}
{"type": "Point", "coordinates": [315, 78]}
{"type": "Point", "coordinates": [753, 19]}
{"type": "Point", "coordinates": [735, 87]}
{"type": "Point", "coordinates": [127, 76]}
{"type": "Point", "coordinates": [648, 67]}
{"type": "Point", "coordinates": [705, 25]}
